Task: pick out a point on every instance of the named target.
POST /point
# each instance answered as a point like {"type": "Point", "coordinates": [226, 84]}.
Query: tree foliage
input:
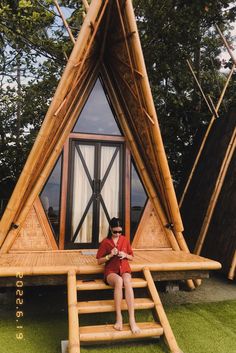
{"type": "Point", "coordinates": [173, 31]}
{"type": "Point", "coordinates": [33, 50]}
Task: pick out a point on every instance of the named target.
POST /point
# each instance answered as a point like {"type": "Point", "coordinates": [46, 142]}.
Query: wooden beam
{"type": "Point", "coordinates": [216, 192]}
{"type": "Point", "coordinates": [206, 136]}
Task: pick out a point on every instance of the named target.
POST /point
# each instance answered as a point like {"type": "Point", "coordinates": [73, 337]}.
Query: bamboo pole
{"type": "Point", "coordinates": [86, 5]}
{"type": "Point", "coordinates": [49, 121]}
{"type": "Point", "coordinates": [145, 177]}
{"type": "Point", "coordinates": [64, 21]}
{"type": "Point", "coordinates": [30, 270]}
{"type": "Point", "coordinates": [139, 99]}
{"type": "Point", "coordinates": [216, 192]}
{"type": "Point", "coordinates": [231, 274]}
{"type": "Point", "coordinates": [73, 318]}
{"type": "Point", "coordinates": [46, 170]}
{"type": "Point", "coordinates": [199, 86]}
{"type": "Point", "coordinates": [141, 168]}
{"type": "Point", "coordinates": [168, 333]}
{"type": "Point", "coordinates": [146, 180]}
{"type": "Point", "coordinates": [157, 139]}
{"type": "Point", "coordinates": [213, 106]}
{"type": "Point", "coordinates": [227, 45]}
{"type": "Point", "coordinates": [135, 131]}
{"type": "Point", "coordinates": [206, 135]}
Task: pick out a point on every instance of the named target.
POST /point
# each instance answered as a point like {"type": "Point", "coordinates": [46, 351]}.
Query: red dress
{"type": "Point", "coordinates": [115, 264]}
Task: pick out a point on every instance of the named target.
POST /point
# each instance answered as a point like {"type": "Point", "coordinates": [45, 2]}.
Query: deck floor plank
{"type": "Point", "coordinates": [59, 262]}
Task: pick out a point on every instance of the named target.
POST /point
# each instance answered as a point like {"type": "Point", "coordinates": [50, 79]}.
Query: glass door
{"type": "Point", "coordinates": [95, 193]}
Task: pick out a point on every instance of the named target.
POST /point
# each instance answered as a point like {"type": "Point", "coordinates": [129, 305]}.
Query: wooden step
{"type": "Point", "coordinates": [107, 332]}
{"type": "Point", "coordinates": [102, 306]}
{"type": "Point", "coordinates": [98, 284]}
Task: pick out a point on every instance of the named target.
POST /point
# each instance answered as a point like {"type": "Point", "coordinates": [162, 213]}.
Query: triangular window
{"type": "Point", "coordinates": [138, 200]}
{"type": "Point", "coordinates": [50, 198]}
{"type": "Point", "coordinates": [97, 116]}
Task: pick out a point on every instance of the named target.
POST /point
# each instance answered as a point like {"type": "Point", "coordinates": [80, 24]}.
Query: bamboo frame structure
{"type": "Point", "coordinates": [44, 175]}
{"type": "Point", "coordinates": [60, 262]}
{"type": "Point", "coordinates": [216, 192]}
{"type": "Point", "coordinates": [73, 319]}
{"type": "Point", "coordinates": [178, 242]}
{"type": "Point", "coordinates": [27, 174]}
{"type": "Point", "coordinates": [140, 165]}
{"type": "Point", "coordinates": [140, 65]}
{"type": "Point", "coordinates": [206, 136]}
{"type": "Point", "coordinates": [90, 50]}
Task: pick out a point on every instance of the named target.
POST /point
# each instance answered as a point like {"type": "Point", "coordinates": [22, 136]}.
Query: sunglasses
{"type": "Point", "coordinates": [117, 231]}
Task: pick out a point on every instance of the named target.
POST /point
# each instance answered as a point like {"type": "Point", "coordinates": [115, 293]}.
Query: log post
{"type": "Point", "coordinates": [74, 339]}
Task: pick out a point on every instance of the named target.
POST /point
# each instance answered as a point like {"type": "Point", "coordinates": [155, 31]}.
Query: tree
{"type": "Point", "coordinates": [33, 50]}
{"type": "Point", "coordinates": [173, 31]}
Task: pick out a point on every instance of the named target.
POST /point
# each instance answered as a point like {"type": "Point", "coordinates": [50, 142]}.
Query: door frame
{"type": "Point", "coordinates": [92, 139]}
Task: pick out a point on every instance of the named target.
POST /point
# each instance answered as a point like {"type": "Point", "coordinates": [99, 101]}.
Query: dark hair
{"type": "Point", "coordinates": [114, 222]}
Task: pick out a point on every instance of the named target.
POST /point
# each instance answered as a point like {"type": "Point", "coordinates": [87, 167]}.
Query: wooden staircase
{"type": "Point", "coordinates": [101, 333]}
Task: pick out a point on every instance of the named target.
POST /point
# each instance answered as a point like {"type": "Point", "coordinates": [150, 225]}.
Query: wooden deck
{"type": "Point", "coordinates": [84, 262]}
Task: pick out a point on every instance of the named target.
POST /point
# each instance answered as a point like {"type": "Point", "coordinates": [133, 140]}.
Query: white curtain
{"type": "Point", "coordinates": [110, 190]}
{"type": "Point", "coordinates": [82, 192]}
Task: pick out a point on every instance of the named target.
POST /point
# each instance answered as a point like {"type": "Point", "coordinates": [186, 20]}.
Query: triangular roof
{"type": "Point", "coordinates": [212, 227]}
{"type": "Point", "coordinates": [108, 43]}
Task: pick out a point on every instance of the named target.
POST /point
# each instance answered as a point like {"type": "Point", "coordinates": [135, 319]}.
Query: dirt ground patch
{"type": "Point", "coordinates": [214, 289]}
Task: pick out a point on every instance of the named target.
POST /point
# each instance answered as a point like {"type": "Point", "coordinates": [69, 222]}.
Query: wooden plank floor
{"type": "Point", "coordinates": [84, 262]}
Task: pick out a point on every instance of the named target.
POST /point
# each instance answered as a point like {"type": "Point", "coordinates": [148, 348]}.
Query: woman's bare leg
{"type": "Point", "coordinates": [129, 297]}
{"type": "Point", "coordinates": [117, 282]}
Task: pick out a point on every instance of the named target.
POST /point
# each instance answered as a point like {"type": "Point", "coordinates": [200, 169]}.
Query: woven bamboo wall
{"type": "Point", "coordinates": [31, 235]}
{"type": "Point", "coordinates": [150, 233]}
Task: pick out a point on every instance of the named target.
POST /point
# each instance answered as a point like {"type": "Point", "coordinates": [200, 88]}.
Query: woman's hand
{"type": "Point", "coordinates": [122, 255]}
{"type": "Point", "coordinates": [114, 251]}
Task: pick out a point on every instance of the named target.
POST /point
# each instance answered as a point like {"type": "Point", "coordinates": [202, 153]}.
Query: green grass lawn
{"type": "Point", "coordinates": [198, 328]}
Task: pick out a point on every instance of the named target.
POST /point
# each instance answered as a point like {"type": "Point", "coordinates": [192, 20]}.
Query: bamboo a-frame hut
{"type": "Point", "coordinates": [99, 154]}
{"type": "Point", "coordinates": [212, 227]}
